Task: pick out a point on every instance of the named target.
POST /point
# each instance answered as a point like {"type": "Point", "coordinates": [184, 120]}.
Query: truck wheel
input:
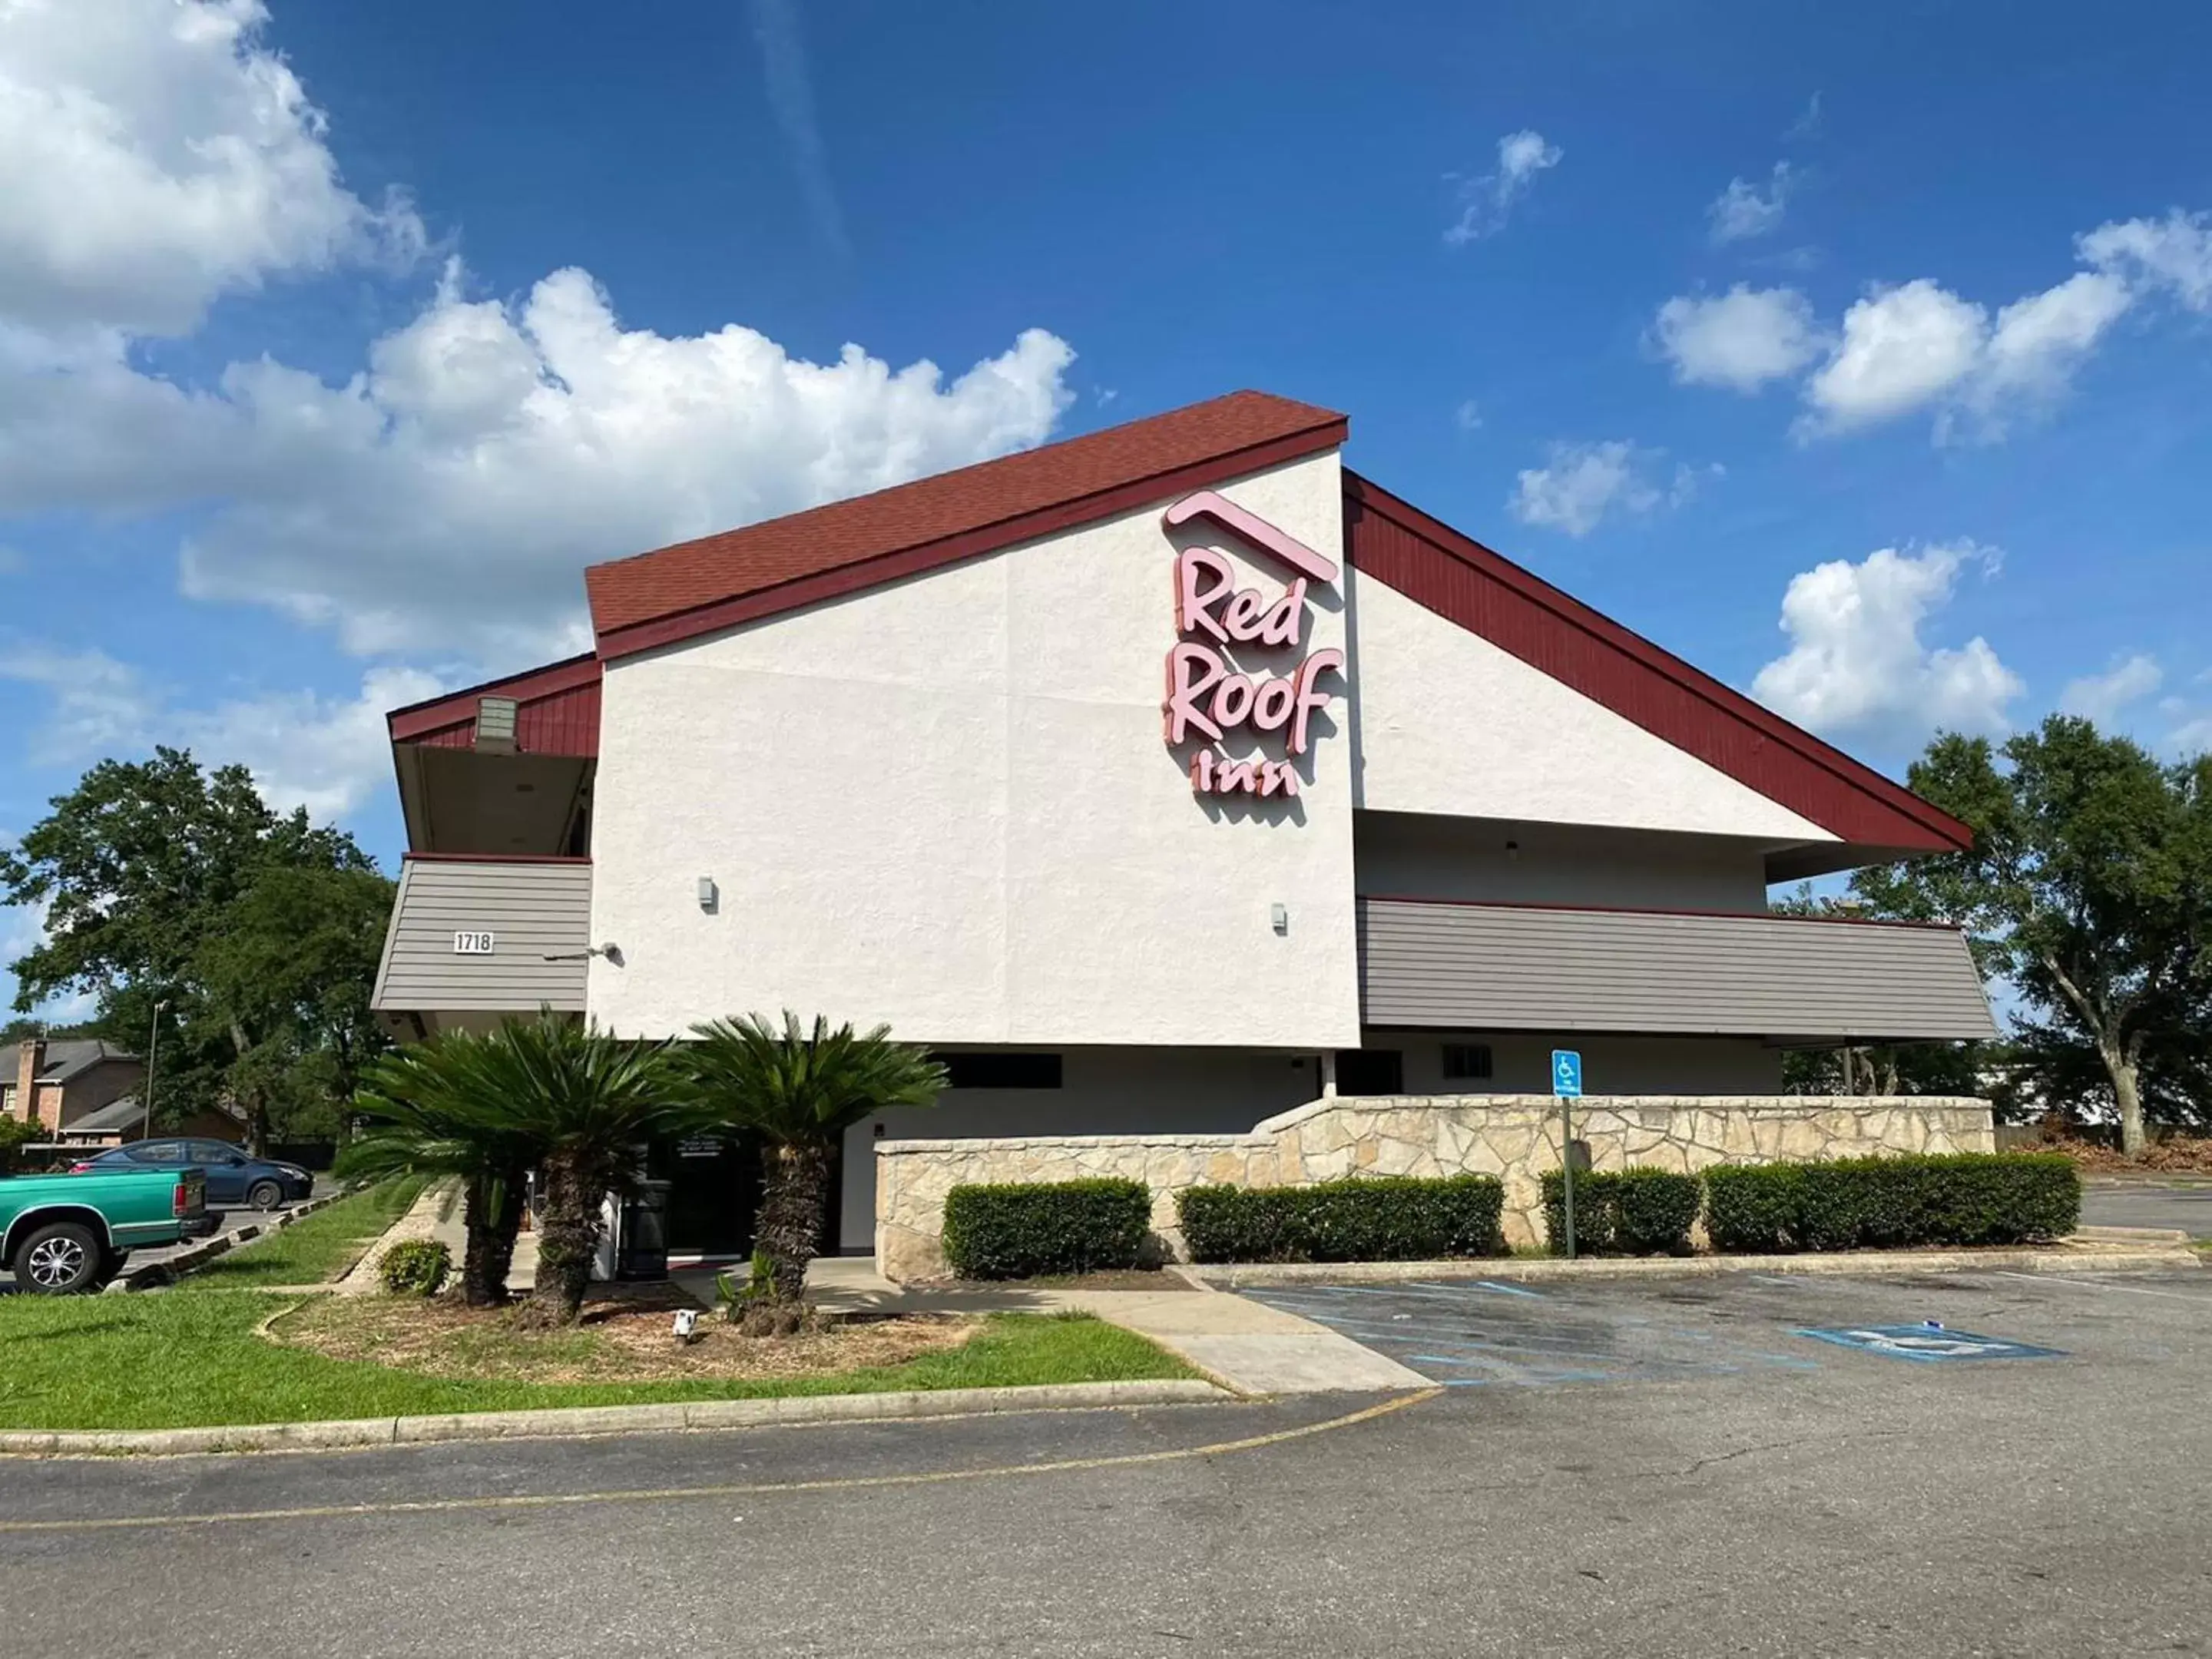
{"type": "Point", "coordinates": [264, 1195]}
{"type": "Point", "coordinates": [60, 1259]}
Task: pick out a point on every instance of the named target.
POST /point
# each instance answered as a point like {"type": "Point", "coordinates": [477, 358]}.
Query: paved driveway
{"type": "Point", "coordinates": [1483, 1333]}
{"type": "Point", "coordinates": [1849, 1503]}
{"type": "Point", "coordinates": [2141, 1204]}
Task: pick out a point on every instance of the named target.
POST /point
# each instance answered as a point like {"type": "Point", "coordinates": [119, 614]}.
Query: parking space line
{"type": "Point", "coordinates": [2101, 1285]}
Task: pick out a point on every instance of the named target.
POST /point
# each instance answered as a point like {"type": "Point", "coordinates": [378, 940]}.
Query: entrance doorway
{"type": "Point", "coordinates": [714, 1190]}
{"type": "Point", "coordinates": [713, 1193]}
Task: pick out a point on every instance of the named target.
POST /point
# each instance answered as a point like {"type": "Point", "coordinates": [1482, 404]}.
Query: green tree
{"type": "Point", "coordinates": [2089, 887]}
{"type": "Point", "coordinates": [158, 875]}
{"type": "Point", "coordinates": [285, 983]}
{"type": "Point", "coordinates": [1876, 1068]}
{"type": "Point", "coordinates": [440, 1108]}
{"type": "Point", "coordinates": [589, 1102]}
{"type": "Point", "coordinates": [799, 1091]}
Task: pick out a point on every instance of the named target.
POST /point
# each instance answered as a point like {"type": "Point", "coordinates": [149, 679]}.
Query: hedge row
{"type": "Point", "coordinates": [1888, 1203]}
{"type": "Point", "coordinates": [1019, 1230]}
{"type": "Point", "coordinates": [1625, 1212]}
{"type": "Point", "coordinates": [1359, 1218]}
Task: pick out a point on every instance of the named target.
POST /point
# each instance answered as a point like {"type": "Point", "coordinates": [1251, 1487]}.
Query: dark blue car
{"type": "Point", "coordinates": [233, 1175]}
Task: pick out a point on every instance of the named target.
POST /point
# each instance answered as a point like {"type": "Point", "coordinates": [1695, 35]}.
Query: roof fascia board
{"type": "Point", "coordinates": [901, 563]}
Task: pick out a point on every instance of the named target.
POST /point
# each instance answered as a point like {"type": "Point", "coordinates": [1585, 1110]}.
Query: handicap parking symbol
{"type": "Point", "coordinates": [1566, 1073]}
{"type": "Point", "coordinates": [1927, 1342]}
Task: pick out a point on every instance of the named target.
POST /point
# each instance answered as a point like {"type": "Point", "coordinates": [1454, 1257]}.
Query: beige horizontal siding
{"type": "Point", "coordinates": [531, 911]}
{"type": "Point", "coordinates": [1502, 967]}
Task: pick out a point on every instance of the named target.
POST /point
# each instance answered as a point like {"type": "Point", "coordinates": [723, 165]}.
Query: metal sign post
{"type": "Point", "coordinates": [1567, 1084]}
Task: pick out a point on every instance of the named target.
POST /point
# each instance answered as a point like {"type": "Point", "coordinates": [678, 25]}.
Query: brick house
{"type": "Point", "coordinates": [58, 1083]}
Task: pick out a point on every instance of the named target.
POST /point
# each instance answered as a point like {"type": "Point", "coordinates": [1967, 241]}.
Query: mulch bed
{"type": "Point", "coordinates": [625, 1336]}
{"type": "Point", "coordinates": [2178, 1155]}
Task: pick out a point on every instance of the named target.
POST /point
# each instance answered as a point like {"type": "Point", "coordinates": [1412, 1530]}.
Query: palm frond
{"type": "Point", "coordinates": [798, 1083]}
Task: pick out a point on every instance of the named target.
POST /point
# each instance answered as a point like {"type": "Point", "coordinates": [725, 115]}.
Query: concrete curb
{"type": "Point", "coordinates": [153, 1273]}
{"type": "Point", "coordinates": [790, 1410]}
{"type": "Point", "coordinates": [1538, 1269]}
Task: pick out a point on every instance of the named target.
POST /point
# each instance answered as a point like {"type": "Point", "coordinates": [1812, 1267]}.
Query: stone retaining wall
{"type": "Point", "coordinates": [1514, 1137]}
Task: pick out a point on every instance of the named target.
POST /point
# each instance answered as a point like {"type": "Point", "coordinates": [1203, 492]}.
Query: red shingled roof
{"type": "Point", "coordinates": [695, 587]}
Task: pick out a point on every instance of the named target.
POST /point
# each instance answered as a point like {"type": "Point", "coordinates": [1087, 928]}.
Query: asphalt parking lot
{"type": "Point", "coordinates": [2184, 1204]}
{"type": "Point", "coordinates": [1474, 1333]}
{"type": "Point", "coordinates": [1646, 1467]}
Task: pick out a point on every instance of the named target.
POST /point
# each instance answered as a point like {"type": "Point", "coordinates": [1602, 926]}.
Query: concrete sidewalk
{"type": "Point", "coordinates": [1241, 1345]}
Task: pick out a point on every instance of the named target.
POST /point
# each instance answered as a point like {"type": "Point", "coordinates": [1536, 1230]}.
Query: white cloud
{"type": "Point", "coordinates": [2100, 697]}
{"type": "Point", "coordinates": [1467, 417]}
{"type": "Point", "coordinates": [446, 495]}
{"type": "Point", "coordinates": [1741, 212]}
{"type": "Point", "coordinates": [2040, 341]}
{"type": "Point", "coordinates": [449, 495]}
{"type": "Point", "coordinates": [1485, 203]}
{"type": "Point", "coordinates": [1857, 663]}
{"type": "Point", "coordinates": [326, 754]}
{"type": "Point", "coordinates": [1919, 346]}
{"type": "Point", "coordinates": [2174, 254]}
{"type": "Point", "coordinates": [1901, 348]}
{"type": "Point", "coordinates": [1741, 339]}
{"type": "Point", "coordinates": [1581, 484]}
{"type": "Point", "coordinates": [2194, 738]}
{"type": "Point", "coordinates": [159, 154]}
{"type": "Point", "coordinates": [1807, 124]}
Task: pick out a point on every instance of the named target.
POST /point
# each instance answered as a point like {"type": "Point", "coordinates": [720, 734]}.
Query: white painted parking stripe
{"type": "Point", "coordinates": [2102, 1284]}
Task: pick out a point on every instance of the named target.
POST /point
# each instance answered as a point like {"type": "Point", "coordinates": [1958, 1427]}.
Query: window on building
{"type": "Point", "coordinates": [1467, 1059]}
{"type": "Point", "coordinates": [1000, 1071]}
{"type": "Point", "coordinates": [1371, 1072]}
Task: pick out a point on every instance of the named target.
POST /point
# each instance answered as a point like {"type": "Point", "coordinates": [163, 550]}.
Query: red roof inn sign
{"type": "Point", "coordinates": [1207, 696]}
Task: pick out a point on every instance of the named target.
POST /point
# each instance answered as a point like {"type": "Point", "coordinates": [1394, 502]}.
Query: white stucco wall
{"type": "Point", "coordinates": [947, 804]}
{"type": "Point", "coordinates": [1408, 856]}
{"type": "Point", "coordinates": [1447, 722]}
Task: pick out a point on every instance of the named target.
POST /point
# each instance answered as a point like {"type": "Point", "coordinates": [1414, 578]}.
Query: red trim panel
{"type": "Point", "coordinates": [494, 858]}
{"type": "Point", "coordinates": [1466, 583]}
{"type": "Point", "coordinates": [773, 551]}
{"type": "Point", "coordinates": [1651, 910]}
{"type": "Point", "coordinates": [896, 565]}
{"type": "Point", "coordinates": [557, 712]}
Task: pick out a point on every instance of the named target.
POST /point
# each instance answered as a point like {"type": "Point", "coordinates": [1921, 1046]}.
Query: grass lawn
{"type": "Point", "coordinates": [189, 1357]}
{"type": "Point", "coordinates": [319, 1249]}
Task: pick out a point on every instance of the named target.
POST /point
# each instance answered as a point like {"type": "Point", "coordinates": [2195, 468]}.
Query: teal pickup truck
{"type": "Point", "coordinates": [66, 1233]}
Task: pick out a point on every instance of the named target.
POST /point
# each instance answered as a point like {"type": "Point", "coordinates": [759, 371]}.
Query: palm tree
{"type": "Point", "coordinates": [590, 1101]}
{"type": "Point", "coordinates": [800, 1092]}
{"type": "Point", "coordinates": [430, 1113]}
{"type": "Point", "coordinates": [547, 1093]}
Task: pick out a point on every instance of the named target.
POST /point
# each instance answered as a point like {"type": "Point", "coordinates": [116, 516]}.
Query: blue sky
{"type": "Point", "coordinates": [1859, 354]}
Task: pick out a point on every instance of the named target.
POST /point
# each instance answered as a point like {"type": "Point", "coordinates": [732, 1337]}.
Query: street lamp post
{"type": "Point", "coordinates": [152, 1053]}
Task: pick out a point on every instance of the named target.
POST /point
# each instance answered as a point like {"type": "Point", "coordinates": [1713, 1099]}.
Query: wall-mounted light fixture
{"type": "Point", "coordinates": [1280, 916]}
{"type": "Point", "coordinates": [610, 951]}
{"type": "Point", "coordinates": [710, 896]}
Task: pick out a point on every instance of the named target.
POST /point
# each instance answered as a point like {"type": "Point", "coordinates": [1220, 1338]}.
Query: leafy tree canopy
{"type": "Point", "coordinates": [167, 885]}
{"type": "Point", "coordinates": [2089, 888]}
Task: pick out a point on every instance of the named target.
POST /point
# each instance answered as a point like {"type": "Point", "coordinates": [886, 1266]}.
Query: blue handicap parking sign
{"type": "Point", "coordinates": [1566, 1073]}
{"type": "Point", "coordinates": [1926, 1342]}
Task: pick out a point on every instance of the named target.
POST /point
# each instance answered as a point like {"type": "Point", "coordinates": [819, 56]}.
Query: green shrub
{"type": "Point", "coordinates": [415, 1266]}
{"type": "Point", "coordinates": [1359, 1218]}
{"type": "Point", "coordinates": [1889, 1203]}
{"type": "Point", "coordinates": [1623, 1212]}
{"type": "Point", "coordinates": [16, 1134]}
{"type": "Point", "coordinates": [1020, 1229]}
